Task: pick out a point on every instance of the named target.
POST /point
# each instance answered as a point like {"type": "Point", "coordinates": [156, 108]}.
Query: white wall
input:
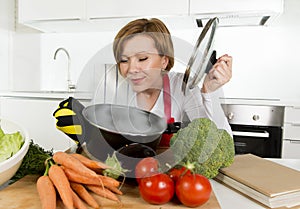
{"type": "Point", "coordinates": [6, 28]}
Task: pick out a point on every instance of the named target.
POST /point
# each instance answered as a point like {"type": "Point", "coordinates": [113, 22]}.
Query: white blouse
{"type": "Point", "coordinates": [193, 104]}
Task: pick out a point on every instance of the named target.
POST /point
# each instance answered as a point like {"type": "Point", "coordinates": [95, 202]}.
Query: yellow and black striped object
{"type": "Point", "coordinates": [69, 118]}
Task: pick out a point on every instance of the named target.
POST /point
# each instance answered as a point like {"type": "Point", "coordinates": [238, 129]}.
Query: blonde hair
{"type": "Point", "coordinates": [155, 29]}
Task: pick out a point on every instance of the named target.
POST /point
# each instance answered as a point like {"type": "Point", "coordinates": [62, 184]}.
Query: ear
{"type": "Point", "coordinates": [164, 61]}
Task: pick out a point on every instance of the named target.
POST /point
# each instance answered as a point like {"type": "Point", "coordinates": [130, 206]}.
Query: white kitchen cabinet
{"type": "Point", "coordinates": [291, 133]}
{"type": "Point", "coordinates": [290, 149]}
{"type": "Point", "coordinates": [92, 15]}
{"type": "Point", "coordinates": [292, 123]}
{"type": "Point", "coordinates": [35, 115]}
{"type": "Point", "coordinates": [37, 10]}
{"type": "Point", "coordinates": [131, 8]}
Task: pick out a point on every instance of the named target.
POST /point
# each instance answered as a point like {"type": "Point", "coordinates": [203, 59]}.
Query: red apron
{"type": "Point", "coordinates": [165, 139]}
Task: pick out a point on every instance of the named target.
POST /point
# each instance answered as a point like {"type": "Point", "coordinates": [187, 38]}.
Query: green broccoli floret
{"type": "Point", "coordinates": [203, 144]}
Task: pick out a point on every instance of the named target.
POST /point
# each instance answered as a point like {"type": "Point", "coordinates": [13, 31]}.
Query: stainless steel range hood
{"type": "Point", "coordinates": [237, 12]}
{"type": "Point", "coordinates": [239, 19]}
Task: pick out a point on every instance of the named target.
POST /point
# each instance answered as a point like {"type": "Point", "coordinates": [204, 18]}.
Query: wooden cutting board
{"type": "Point", "coordinates": [23, 195]}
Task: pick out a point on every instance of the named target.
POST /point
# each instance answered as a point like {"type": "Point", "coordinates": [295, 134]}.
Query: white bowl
{"type": "Point", "coordinates": [9, 167]}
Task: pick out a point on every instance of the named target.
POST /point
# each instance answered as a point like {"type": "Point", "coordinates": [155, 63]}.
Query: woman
{"type": "Point", "coordinates": [144, 53]}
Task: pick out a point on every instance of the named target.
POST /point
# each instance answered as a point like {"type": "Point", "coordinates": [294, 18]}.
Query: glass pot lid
{"type": "Point", "coordinates": [201, 57]}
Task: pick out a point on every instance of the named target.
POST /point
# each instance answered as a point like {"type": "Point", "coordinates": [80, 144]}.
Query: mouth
{"type": "Point", "coordinates": [136, 81]}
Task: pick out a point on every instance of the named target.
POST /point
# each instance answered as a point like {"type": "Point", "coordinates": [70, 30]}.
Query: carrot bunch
{"type": "Point", "coordinates": [73, 177]}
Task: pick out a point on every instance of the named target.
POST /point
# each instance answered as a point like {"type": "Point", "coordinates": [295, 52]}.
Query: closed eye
{"type": "Point", "coordinates": [123, 61]}
{"type": "Point", "coordinates": [143, 59]}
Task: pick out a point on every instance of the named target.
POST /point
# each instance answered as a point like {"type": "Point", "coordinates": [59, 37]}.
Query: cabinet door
{"type": "Point", "coordinates": [34, 10]}
{"type": "Point", "coordinates": [290, 149]}
{"type": "Point", "coordinates": [132, 8]}
{"type": "Point", "coordinates": [292, 115]}
{"type": "Point", "coordinates": [291, 123]}
{"type": "Point", "coordinates": [291, 131]}
{"type": "Point", "coordinates": [35, 115]}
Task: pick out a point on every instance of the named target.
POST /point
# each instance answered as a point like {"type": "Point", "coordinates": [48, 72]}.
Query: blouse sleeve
{"type": "Point", "coordinates": [196, 104]}
{"type": "Point", "coordinates": [207, 105]}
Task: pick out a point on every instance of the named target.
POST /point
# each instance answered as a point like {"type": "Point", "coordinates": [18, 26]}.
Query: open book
{"type": "Point", "coordinates": [267, 182]}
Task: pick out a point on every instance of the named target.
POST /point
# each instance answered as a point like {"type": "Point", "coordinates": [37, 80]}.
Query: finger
{"type": "Point", "coordinates": [222, 76]}
{"type": "Point", "coordinates": [223, 67]}
{"type": "Point", "coordinates": [226, 58]}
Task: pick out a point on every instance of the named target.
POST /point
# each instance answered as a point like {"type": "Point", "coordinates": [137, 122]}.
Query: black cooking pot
{"type": "Point", "coordinates": [123, 125]}
{"type": "Point", "coordinates": [129, 132]}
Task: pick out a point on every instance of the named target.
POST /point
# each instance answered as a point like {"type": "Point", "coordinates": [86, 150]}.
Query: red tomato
{"type": "Point", "coordinates": [193, 190]}
{"type": "Point", "coordinates": [157, 189]}
{"type": "Point", "coordinates": [146, 167]}
{"type": "Point", "coordinates": [175, 173]}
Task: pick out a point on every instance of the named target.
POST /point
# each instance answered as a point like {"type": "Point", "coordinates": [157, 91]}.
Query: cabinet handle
{"type": "Point", "coordinates": [295, 124]}
{"type": "Point", "coordinates": [294, 141]}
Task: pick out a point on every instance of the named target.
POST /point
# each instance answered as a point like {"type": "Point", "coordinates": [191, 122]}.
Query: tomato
{"type": "Point", "coordinates": [146, 167]}
{"type": "Point", "coordinates": [193, 190]}
{"type": "Point", "coordinates": [175, 173]}
{"type": "Point", "coordinates": [157, 189]}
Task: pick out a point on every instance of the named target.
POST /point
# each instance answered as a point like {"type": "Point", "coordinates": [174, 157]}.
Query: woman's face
{"type": "Point", "coordinates": [141, 64]}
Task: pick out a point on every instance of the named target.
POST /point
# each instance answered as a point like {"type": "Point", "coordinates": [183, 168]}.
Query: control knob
{"type": "Point", "coordinates": [230, 116]}
{"type": "Point", "coordinates": [255, 117]}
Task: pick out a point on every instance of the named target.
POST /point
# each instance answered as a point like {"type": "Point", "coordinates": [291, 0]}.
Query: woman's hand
{"type": "Point", "coordinates": [220, 74]}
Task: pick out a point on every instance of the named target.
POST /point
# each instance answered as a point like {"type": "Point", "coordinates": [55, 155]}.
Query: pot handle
{"type": "Point", "coordinates": [173, 127]}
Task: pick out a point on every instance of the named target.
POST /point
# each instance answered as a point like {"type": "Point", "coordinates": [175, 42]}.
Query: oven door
{"type": "Point", "coordinates": [263, 141]}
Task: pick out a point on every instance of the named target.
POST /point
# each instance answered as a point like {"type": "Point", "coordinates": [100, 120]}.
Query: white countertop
{"type": "Point", "coordinates": [230, 199]}
{"type": "Point", "coordinates": [83, 95]}
{"type": "Point", "coordinates": [264, 102]}
{"type": "Point", "coordinates": [45, 94]}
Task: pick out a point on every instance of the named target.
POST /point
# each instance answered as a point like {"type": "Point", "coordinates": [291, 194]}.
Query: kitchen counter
{"type": "Point", "coordinates": [230, 199]}
{"type": "Point", "coordinates": [46, 94]}
{"type": "Point", "coordinates": [263, 102]}
{"type": "Point", "coordinates": [89, 95]}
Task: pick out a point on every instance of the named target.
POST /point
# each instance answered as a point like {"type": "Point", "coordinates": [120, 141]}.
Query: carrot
{"type": "Point", "coordinates": [46, 192]}
{"type": "Point", "coordinates": [108, 181]}
{"type": "Point", "coordinates": [71, 162]}
{"type": "Point", "coordinates": [92, 164]}
{"type": "Point", "coordinates": [77, 201]}
{"type": "Point", "coordinates": [84, 194]}
{"type": "Point", "coordinates": [114, 190]}
{"type": "Point", "coordinates": [77, 177]}
{"type": "Point", "coordinates": [62, 185]}
{"type": "Point", "coordinates": [103, 192]}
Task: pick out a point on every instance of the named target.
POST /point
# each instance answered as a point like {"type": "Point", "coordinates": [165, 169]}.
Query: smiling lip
{"type": "Point", "coordinates": [136, 81]}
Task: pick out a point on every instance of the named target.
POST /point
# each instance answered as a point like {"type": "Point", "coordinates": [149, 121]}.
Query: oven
{"type": "Point", "coordinates": [257, 129]}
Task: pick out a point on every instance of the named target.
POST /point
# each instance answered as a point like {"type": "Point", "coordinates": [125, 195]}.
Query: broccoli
{"type": "Point", "coordinates": [203, 144]}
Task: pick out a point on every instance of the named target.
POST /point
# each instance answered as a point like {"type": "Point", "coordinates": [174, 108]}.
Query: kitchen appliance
{"type": "Point", "coordinates": [257, 129]}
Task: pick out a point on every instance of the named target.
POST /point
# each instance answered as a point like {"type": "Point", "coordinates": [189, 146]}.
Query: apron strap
{"type": "Point", "coordinates": [167, 97]}
{"type": "Point", "coordinates": [165, 139]}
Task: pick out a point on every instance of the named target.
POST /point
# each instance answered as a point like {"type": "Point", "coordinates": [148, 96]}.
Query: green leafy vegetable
{"type": "Point", "coordinates": [1, 132]}
{"type": "Point", "coordinates": [204, 145]}
{"type": "Point", "coordinates": [116, 169]}
{"type": "Point", "coordinates": [33, 162]}
{"type": "Point", "coordinates": [10, 144]}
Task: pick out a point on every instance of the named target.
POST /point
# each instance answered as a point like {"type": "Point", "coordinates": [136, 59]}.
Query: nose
{"type": "Point", "coordinates": [133, 66]}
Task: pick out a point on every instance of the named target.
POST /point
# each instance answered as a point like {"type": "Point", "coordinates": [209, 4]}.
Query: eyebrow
{"type": "Point", "coordinates": [141, 52]}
